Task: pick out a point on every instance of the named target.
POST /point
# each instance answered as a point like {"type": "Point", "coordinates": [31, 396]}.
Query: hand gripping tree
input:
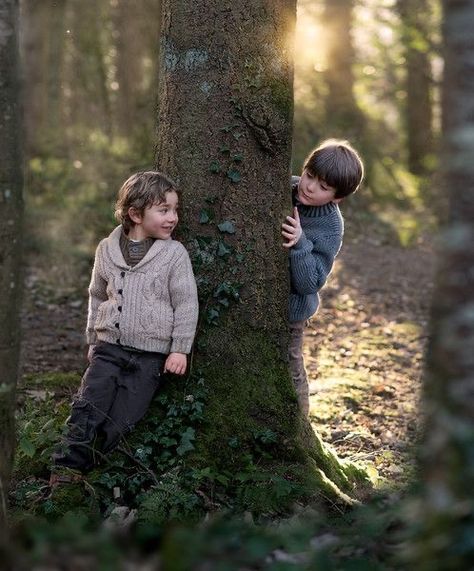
{"type": "Point", "coordinates": [224, 134]}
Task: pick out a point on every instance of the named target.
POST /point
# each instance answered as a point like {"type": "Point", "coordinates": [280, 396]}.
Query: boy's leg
{"type": "Point", "coordinates": [296, 363]}
{"type": "Point", "coordinates": [136, 388]}
{"type": "Point", "coordinates": [89, 410]}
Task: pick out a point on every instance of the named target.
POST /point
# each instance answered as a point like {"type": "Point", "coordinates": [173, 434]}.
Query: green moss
{"type": "Point", "coordinates": [52, 381]}
{"type": "Point", "coordinates": [251, 394]}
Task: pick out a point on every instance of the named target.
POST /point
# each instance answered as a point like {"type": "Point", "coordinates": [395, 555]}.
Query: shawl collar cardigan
{"type": "Point", "coordinates": [151, 306]}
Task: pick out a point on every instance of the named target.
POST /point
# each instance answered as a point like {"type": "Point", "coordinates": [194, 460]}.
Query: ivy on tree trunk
{"type": "Point", "coordinates": [224, 134]}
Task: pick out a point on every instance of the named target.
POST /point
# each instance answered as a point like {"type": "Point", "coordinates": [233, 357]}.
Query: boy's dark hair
{"type": "Point", "coordinates": [337, 163]}
{"type": "Point", "coordinates": [140, 191]}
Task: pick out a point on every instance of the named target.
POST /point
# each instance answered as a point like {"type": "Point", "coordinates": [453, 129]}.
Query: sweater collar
{"type": "Point", "coordinates": [312, 211]}
{"type": "Point", "coordinates": [115, 252]}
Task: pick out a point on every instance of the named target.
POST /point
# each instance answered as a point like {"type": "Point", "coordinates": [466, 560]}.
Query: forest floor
{"type": "Point", "coordinates": [364, 353]}
{"type": "Point", "coordinates": [363, 350]}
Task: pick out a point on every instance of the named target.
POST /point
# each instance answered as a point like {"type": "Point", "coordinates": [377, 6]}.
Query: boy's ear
{"type": "Point", "coordinates": [338, 200]}
{"type": "Point", "coordinates": [135, 216]}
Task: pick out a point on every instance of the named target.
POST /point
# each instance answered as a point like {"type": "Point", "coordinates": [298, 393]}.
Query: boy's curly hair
{"type": "Point", "coordinates": [140, 191]}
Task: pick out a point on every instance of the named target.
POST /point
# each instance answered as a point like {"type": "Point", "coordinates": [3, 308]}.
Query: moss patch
{"type": "Point", "coordinates": [252, 419]}
{"type": "Point", "coordinates": [55, 381]}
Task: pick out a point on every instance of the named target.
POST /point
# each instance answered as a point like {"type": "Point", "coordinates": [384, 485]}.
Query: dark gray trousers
{"type": "Point", "coordinates": [115, 393]}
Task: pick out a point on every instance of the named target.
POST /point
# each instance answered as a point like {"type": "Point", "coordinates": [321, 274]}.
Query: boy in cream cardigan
{"type": "Point", "coordinates": [143, 311]}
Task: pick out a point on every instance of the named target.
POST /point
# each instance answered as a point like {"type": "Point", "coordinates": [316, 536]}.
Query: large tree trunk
{"type": "Point", "coordinates": [11, 206]}
{"type": "Point", "coordinates": [225, 118]}
{"type": "Point", "coordinates": [418, 106]}
{"type": "Point", "coordinates": [447, 510]}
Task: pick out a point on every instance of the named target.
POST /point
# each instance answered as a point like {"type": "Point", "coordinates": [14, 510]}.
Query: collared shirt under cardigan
{"type": "Point", "coordinates": [152, 306]}
{"type": "Point", "coordinates": [312, 258]}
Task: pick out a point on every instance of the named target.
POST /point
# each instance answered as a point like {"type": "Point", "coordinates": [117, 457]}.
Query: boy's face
{"type": "Point", "coordinates": [313, 191]}
{"type": "Point", "coordinates": [159, 220]}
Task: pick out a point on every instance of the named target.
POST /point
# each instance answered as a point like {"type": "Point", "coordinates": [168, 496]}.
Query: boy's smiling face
{"type": "Point", "coordinates": [157, 221]}
{"type": "Point", "coordinates": [313, 191]}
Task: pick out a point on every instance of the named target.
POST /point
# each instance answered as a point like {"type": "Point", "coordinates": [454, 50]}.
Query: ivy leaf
{"type": "Point", "coordinates": [227, 227]}
{"type": "Point", "coordinates": [186, 441]}
{"type": "Point", "coordinates": [27, 447]}
{"type": "Point", "coordinates": [225, 150]}
{"type": "Point", "coordinates": [215, 167]}
{"type": "Point", "coordinates": [212, 316]}
{"type": "Point", "coordinates": [234, 175]}
{"type": "Point", "coordinates": [205, 216]}
{"type": "Point", "coordinates": [223, 250]}
{"type": "Point", "coordinates": [238, 157]}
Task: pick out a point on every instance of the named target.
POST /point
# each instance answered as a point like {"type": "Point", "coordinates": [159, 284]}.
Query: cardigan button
{"type": "Point", "coordinates": [117, 325]}
{"type": "Point", "coordinates": [119, 308]}
{"type": "Point", "coordinates": [122, 274]}
{"type": "Point", "coordinates": [120, 291]}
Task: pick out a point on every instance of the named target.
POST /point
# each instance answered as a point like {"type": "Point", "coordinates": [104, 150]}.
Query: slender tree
{"type": "Point", "coordinates": [42, 46]}
{"type": "Point", "coordinates": [447, 504]}
{"type": "Point", "coordinates": [224, 133]}
{"type": "Point", "coordinates": [418, 104]}
{"type": "Point", "coordinates": [343, 116]}
{"type": "Point", "coordinates": [88, 77]}
{"type": "Point", "coordinates": [11, 182]}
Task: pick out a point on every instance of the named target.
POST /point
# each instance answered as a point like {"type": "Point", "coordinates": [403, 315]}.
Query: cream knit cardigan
{"type": "Point", "coordinates": [152, 306]}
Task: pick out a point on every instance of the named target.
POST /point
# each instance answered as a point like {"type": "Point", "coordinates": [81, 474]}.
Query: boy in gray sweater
{"type": "Point", "coordinates": [313, 237]}
{"type": "Point", "coordinates": [143, 311]}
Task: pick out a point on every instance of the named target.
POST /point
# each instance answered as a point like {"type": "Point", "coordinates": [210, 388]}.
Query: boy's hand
{"type": "Point", "coordinates": [291, 230]}
{"type": "Point", "coordinates": [175, 363]}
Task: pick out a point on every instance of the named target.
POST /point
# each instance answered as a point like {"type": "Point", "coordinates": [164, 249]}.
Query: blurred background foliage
{"type": "Point", "coordinates": [365, 70]}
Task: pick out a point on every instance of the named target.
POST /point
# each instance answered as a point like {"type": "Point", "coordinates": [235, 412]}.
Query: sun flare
{"type": "Point", "coordinates": [309, 43]}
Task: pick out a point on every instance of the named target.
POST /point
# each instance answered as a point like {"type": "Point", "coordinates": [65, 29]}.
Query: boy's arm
{"type": "Point", "coordinates": [184, 300]}
{"type": "Point", "coordinates": [97, 295]}
{"type": "Point", "coordinates": [311, 263]}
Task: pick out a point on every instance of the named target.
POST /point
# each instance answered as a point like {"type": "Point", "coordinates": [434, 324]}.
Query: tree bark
{"type": "Point", "coordinates": [418, 106]}
{"type": "Point", "coordinates": [11, 206]}
{"type": "Point", "coordinates": [447, 504]}
{"type": "Point", "coordinates": [224, 133]}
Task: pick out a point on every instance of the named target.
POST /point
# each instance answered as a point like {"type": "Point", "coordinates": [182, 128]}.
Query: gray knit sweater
{"type": "Point", "coordinates": [312, 258]}
{"type": "Point", "coordinates": [151, 306]}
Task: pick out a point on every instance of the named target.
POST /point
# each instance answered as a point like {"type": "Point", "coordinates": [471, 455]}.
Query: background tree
{"type": "Point", "coordinates": [225, 119]}
{"type": "Point", "coordinates": [42, 46]}
{"type": "Point", "coordinates": [344, 118]}
{"type": "Point", "coordinates": [11, 182]}
{"type": "Point", "coordinates": [418, 105]}
{"type": "Point", "coordinates": [447, 505]}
